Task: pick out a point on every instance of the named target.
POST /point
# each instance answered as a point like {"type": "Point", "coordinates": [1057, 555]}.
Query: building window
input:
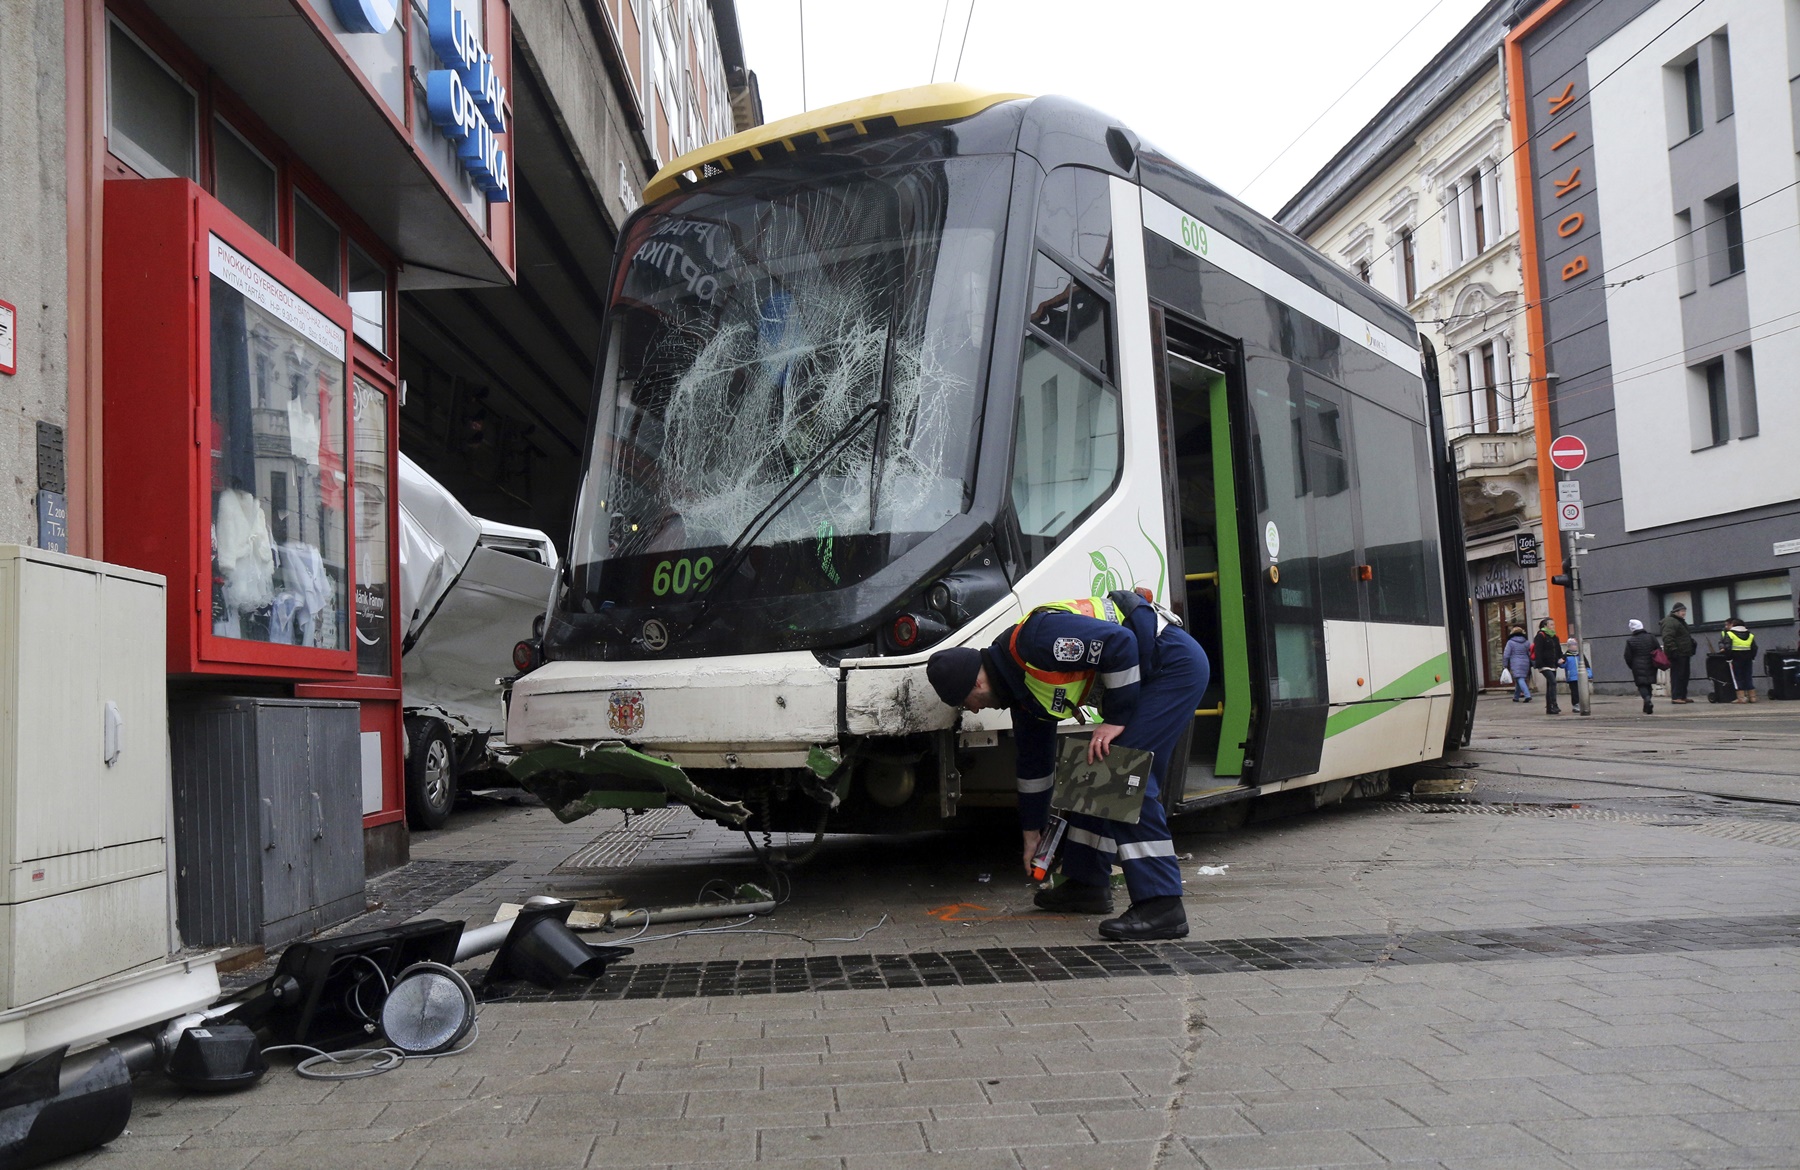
{"type": "Point", "coordinates": [1362, 271]}
{"type": "Point", "coordinates": [368, 299]}
{"type": "Point", "coordinates": [318, 245]}
{"type": "Point", "coordinates": [1717, 406]}
{"type": "Point", "coordinates": [1478, 204]}
{"type": "Point", "coordinates": [244, 180]}
{"type": "Point", "coordinates": [1752, 600]}
{"type": "Point", "coordinates": [1747, 421]}
{"type": "Point", "coordinates": [1690, 84]}
{"type": "Point", "coordinates": [1408, 266]}
{"type": "Point", "coordinates": [1490, 403]}
{"type": "Point", "coordinates": [152, 124]}
{"type": "Point", "coordinates": [1725, 235]}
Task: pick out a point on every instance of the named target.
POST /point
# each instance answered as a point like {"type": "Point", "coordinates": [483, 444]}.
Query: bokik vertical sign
{"type": "Point", "coordinates": [467, 100]}
{"type": "Point", "coordinates": [1572, 223]}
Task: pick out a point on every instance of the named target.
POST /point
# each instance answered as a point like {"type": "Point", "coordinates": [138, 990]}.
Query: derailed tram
{"type": "Point", "coordinates": [880, 378]}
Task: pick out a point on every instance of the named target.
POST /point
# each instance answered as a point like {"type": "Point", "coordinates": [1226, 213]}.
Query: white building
{"type": "Point", "coordinates": [1420, 203]}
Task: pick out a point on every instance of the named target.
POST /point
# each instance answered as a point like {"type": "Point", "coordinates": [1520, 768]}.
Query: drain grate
{"type": "Point", "coordinates": [1101, 961]}
{"type": "Point", "coordinates": [618, 848]}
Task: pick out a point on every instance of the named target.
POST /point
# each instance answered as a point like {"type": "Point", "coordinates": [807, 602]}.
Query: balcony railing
{"type": "Point", "coordinates": [1501, 453]}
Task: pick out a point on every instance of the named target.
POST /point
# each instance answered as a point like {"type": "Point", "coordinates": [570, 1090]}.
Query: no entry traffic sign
{"type": "Point", "coordinates": [1568, 453]}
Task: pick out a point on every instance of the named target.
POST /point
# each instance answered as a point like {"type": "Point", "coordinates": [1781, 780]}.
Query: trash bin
{"type": "Point", "coordinates": [1718, 670]}
{"type": "Point", "coordinates": [1783, 669]}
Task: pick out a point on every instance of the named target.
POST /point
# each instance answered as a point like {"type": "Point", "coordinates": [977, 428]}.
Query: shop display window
{"type": "Point", "coordinates": [279, 537]}
{"type": "Point", "coordinates": [374, 612]}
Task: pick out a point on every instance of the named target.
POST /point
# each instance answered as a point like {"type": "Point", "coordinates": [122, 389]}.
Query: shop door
{"type": "Point", "coordinates": [1206, 564]}
{"type": "Point", "coordinates": [1498, 617]}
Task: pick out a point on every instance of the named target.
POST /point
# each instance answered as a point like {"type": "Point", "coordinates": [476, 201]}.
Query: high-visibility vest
{"type": "Point", "coordinates": [1061, 692]}
{"type": "Point", "coordinates": [1737, 641]}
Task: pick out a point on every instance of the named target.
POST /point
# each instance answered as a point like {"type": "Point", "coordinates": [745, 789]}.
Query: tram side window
{"type": "Point", "coordinates": [1319, 426]}
{"type": "Point", "coordinates": [1075, 216]}
{"type": "Point", "coordinates": [1398, 514]}
{"type": "Point", "coordinates": [1068, 446]}
{"type": "Point", "coordinates": [1069, 312]}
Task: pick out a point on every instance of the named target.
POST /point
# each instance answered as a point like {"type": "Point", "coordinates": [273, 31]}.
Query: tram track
{"type": "Point", "coordinates": [1571, 763]}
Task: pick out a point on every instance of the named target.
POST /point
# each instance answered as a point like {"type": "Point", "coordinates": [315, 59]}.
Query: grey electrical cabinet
{"type": "Point", "coordinates": [268, 818]}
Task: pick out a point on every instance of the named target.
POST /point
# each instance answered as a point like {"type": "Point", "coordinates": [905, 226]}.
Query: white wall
{"type": "Point", "coordinates": [1662, 480]}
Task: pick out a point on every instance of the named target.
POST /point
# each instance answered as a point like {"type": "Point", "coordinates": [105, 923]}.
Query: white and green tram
{"type": "Point", "coordinates": [879, 378]}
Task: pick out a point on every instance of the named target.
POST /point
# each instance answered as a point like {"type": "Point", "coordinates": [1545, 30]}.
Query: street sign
{"type": "Point", "coordinates": [1568, 453]}
{"type": "Point", "coordinates": [1569, 490]}
{"type": "Point", "coordinates": [1525, 547]}
{"type": "Point", "coordinates": [1570, 515]}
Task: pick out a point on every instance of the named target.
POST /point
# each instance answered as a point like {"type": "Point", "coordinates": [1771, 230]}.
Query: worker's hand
{"type": "Point", "coordinates": [1101, 743]}
{"type": "Point", "coordinates": [1032, 837]}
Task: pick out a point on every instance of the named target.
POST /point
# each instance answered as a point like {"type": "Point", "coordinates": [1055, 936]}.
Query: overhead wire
{"type": "Point", "coordinates": [1340, 97]}
{"type": "Point", "coordinates": [957, 76]}
{"type": "Point", "coordinates": [1586, 99]}
{"type": "Point", "coordinates": [937, 46]}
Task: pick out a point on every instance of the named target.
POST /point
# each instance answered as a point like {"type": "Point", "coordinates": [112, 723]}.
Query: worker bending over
{"type": "Point", "coordinates": [1152, 675]}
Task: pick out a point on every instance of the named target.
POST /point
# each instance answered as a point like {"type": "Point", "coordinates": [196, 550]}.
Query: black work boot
{"type": "Point", "coordinates": [1075, 898]}
{"type": "Point", "coordinates": [1153, 918]}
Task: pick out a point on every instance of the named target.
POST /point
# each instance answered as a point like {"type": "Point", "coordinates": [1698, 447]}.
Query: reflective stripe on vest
{"type": "Point", "coordinates": [1740, 642]}
{"type": "Point", "coordinates": [1060, 692]}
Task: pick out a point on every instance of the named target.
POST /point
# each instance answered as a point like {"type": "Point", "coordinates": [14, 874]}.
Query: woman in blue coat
{"type": "Point", "coordinates": [1516, 656]}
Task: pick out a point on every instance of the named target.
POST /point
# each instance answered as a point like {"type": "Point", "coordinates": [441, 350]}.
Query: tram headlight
{"type": "Point", "coordinates": [913, 631]}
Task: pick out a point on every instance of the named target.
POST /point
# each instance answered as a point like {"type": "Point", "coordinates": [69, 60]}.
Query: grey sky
{"type": "Point", "coordinates": [1222, 86]}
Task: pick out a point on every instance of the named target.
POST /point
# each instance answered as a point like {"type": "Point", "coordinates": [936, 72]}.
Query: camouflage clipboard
{"type": "Point", "coordinates": [1112, 789]}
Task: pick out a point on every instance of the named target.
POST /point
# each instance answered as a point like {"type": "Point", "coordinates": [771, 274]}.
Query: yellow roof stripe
{"type": "Point", "coordinates": [907, 107]}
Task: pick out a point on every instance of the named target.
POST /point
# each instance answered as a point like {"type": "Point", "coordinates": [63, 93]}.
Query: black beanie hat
{"type": "Point", "coordinates": [952, 673]}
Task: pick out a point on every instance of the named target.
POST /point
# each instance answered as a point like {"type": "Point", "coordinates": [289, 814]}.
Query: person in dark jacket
{"type": "Point", "coordinates": [1516, 656]}
{"type": "Point", "coordinates": [1678, 644]}
{"type": "Point", "coordinates": [1640, 656]}
{"type": "Point", "coordinates": [1042, 668]}
{"type": "Point", "coordinates": [1547, 657]}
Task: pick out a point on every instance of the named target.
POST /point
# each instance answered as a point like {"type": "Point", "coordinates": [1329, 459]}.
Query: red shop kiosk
{"type": "Point", "coordinates": [249, 455]}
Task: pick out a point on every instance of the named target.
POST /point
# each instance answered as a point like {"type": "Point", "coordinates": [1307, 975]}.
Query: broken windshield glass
{"type": "Point", "coordinates": [750, 331]}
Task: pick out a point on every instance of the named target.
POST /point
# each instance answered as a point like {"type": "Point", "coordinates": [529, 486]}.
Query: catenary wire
{"type": "Point", "coordinates": [1340, 97]}
{"type": "Point", "coordinates": [937, 46]}
{"type": "Point", "coordinates": [957, 76]}
{"type": "Point", "coordinates": [1586, 99]}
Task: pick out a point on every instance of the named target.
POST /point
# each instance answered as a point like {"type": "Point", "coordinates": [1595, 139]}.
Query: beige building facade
{"type": "Point", "coordinates": [1421, 205]}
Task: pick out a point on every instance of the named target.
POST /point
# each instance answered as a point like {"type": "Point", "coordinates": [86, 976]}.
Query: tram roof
{"type": "Point", "coordinates": [919, 105]}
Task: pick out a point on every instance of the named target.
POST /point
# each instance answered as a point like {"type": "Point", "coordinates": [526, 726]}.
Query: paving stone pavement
{"type": "Point", "coordinates": [1681, 1050]}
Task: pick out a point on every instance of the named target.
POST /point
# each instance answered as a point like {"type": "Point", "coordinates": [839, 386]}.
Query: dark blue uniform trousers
{"type": "Point", "coordinates": [1144, 851]}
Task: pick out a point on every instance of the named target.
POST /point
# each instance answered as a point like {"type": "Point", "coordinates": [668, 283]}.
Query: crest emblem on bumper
{"type": "Point", "coordinates": [625, 711]}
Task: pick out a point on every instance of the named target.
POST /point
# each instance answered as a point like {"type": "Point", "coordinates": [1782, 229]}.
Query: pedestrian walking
{"type": "Point", "coordinates": [1739, 646]}
{"type": "Point", "coordinates": [1547, 657]}
{"type": "Point", "coordinates": [1640, 657]}
{"type": "Point", "coordinates": [1042, 669]}
{"type": "Point", "coordinates": [1678, 644]}
{"type": "Point", "coordinates": [1516, 657]}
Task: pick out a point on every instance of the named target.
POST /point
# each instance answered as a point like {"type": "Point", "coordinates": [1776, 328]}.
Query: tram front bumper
{"type": "Point", "coordinates": [754, 711]}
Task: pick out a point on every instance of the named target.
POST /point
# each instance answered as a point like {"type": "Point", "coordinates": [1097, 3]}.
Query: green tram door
{"type": "Point", "coordinates": [1205, 570]}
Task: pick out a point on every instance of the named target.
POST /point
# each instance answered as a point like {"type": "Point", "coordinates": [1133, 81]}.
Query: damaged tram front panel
{"type": "Point", "coordinates": [879, 379]}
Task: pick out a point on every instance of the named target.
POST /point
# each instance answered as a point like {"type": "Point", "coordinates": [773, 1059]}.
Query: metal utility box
{"type": "Point", "coordinates": [83, 773]}
{"type": "Point", "coordinates": [268, 817]}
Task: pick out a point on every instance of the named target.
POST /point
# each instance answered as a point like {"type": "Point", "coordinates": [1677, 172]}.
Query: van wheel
{"type": "Point", "coordinates": [430, 774]}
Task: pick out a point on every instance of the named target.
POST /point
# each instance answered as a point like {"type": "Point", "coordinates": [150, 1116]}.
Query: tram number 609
{"type": "Point", "coordinates": [682, 576]}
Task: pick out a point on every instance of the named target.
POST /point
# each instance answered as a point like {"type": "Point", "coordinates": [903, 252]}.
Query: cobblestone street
{"type": "Point", "coordinates": [1591, 963]}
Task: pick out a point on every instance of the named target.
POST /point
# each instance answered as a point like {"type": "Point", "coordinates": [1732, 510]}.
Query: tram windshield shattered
{"type": "Point", "coordinates": [790, 389]}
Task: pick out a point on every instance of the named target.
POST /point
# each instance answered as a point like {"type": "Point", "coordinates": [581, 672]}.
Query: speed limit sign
{"type": "Point", "coordinates": [1570, 516]}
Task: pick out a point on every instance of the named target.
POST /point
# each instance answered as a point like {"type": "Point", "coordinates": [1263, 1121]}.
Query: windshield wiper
{"type": "Point", "coordinates": [790, 491]}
